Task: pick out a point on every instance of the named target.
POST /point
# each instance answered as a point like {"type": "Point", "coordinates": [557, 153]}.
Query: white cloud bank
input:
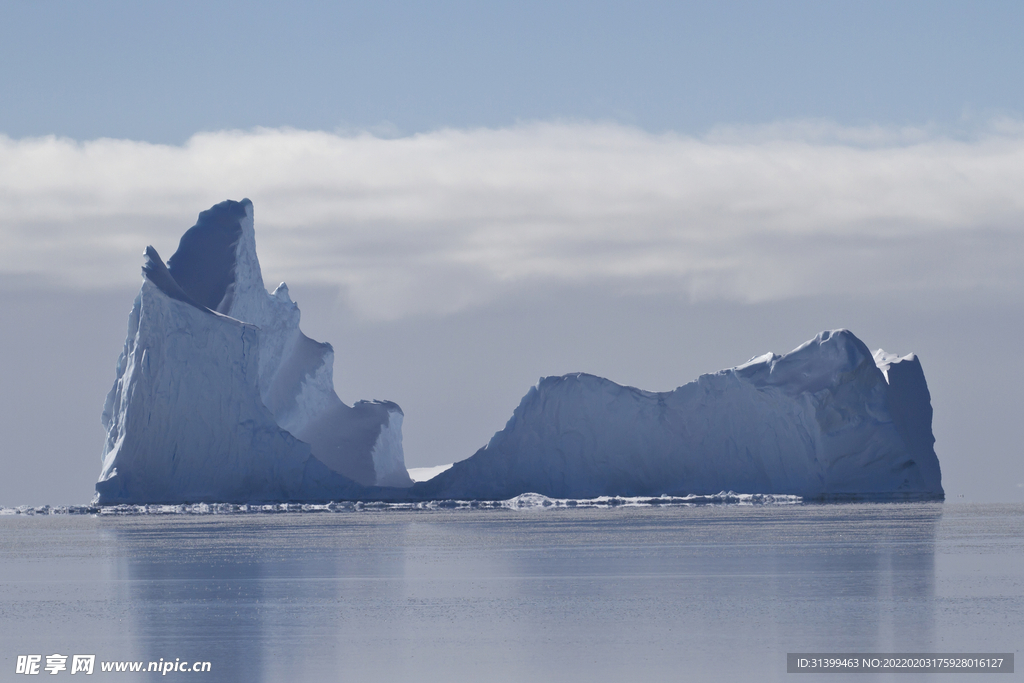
{"type": "Point", "coordinates": [435, 222]}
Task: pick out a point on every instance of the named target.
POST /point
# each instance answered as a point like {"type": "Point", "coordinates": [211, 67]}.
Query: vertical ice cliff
{"type": "Point", "coordinates": [911, 405]}
{"type": "Point", "coordinates": [219, 395]}
{"type": "Point", "coordinates": [822, 421]}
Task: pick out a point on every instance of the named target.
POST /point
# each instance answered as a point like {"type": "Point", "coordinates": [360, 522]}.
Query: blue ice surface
{"type": "Point", "coordinates": [204, 264]}
{"type": "Point", "coordinates": [156, 272]}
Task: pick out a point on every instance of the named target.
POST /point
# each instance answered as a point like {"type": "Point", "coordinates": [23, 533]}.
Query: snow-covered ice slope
{"type": "Point", "coordinates": [219, 396]}
{"type": "Point", "coordinates": [823, 421]}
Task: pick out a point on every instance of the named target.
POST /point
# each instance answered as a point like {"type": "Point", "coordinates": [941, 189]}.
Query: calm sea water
{"type": "Point", "coordinates": [716, 592]}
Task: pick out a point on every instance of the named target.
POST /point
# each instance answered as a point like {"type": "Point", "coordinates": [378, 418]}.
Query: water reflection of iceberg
{"type": "Point", "coordinates": [506, 594]}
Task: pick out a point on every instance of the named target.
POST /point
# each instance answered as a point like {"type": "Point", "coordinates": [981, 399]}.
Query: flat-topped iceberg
{"type": "Point", "coordinates": [825, 421]}
{"type": "Point", "coordinates": [220, 397]}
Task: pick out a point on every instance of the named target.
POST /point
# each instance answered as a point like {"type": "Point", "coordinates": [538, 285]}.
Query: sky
{"type": "Point", "coordinates": [464, 197]}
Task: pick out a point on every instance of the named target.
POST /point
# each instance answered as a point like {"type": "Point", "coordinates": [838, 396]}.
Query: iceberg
{"type": "Point", "coordinates": [220, 397]}
{"type": "Point", "coordinates": [827, 421]}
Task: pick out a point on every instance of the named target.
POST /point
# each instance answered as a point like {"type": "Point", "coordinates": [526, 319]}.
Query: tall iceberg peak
{"type": "Point", "coordinates": [825, 421]}
{"type": "Point", "coordinates": [204, 266]}
{"type": "Point", "coordinates": [219, 395]}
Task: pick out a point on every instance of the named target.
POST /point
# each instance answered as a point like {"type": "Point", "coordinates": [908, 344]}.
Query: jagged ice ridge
{"type": "Point", "coordinates": [220, 397]}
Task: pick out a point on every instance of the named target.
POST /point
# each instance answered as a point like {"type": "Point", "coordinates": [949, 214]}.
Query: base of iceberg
{"type": "Point", "coordinates": [526, 501]}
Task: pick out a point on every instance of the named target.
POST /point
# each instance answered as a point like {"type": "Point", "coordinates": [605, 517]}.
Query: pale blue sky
{"type": "Point", "coordinates": [162, 71]}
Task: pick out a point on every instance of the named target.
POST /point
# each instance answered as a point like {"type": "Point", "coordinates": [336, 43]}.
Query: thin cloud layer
{"type": "Point", "coordinates": [433, 223]}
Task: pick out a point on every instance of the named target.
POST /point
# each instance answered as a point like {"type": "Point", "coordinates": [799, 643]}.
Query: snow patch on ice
{"type": "Point", "coordinates": [428, 473]}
